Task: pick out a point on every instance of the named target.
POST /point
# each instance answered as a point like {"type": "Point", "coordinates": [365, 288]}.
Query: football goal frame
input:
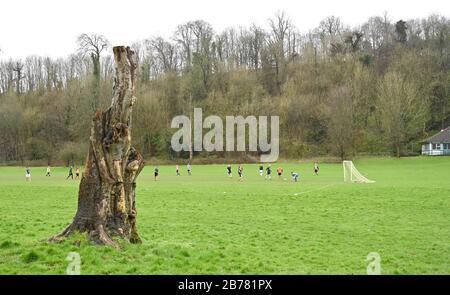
{"type": "Point", "coordinates": [352, 175]}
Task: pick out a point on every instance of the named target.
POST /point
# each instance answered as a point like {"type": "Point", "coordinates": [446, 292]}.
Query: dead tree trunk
{"type": "Point", "coordinates": [106, 197]}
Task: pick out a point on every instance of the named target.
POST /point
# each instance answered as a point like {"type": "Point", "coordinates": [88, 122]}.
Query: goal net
{"type": "Point", "coordinates": [351, 174]}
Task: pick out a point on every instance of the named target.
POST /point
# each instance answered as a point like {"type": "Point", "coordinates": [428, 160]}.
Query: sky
{"type": "Point", "coordinates": [50, 27]}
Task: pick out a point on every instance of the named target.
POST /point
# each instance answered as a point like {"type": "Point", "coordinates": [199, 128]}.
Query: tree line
{"type": "Point", "coordinates": [377, 88]}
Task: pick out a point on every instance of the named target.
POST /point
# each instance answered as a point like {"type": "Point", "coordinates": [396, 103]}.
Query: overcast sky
{"type": "Point", "coordinates": [50, 27]}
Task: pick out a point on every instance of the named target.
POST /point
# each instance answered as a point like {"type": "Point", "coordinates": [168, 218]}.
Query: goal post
{"type": "Point", "coordinates": [351, 174]}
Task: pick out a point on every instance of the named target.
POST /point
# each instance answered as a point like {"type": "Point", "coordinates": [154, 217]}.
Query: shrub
{"type": "Point", "coordinates": [73, 152]}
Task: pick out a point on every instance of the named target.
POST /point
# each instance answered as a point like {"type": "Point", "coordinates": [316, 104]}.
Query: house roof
{"type": "Point", "coordinates": [443, 136]}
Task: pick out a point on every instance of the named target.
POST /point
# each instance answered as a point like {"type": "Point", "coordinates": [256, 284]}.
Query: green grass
{"type": "Point", "coordinates": [207, 223]}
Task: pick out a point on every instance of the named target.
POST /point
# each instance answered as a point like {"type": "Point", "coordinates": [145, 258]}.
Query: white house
{"type": "Point", "coordinates": [438, 144]}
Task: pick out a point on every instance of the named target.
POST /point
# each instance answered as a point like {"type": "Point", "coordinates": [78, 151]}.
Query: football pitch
{"type": "Point", "coordinates": [208, 223]}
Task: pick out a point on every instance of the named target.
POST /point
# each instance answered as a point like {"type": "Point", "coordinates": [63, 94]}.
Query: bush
{"type": "Point", "coordinates": [73, 152]}
{"type": "Point", "coordinates": [37, 149]}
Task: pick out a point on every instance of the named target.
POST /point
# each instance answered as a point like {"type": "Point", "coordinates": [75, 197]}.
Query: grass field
{"type": "Point", "coordinates": [209, 224]}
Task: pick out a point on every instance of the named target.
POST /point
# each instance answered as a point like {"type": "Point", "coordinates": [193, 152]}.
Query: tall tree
{"type": "Point", "coordinates": [402, 112]}
{"type": "Point", "coordinates": [93, 45]}
{"type": "Point", "coordinates": [18, 69]}
{"type": "Point", "coordinates": [341, 129]}
{"type": "Point", "coordinates": [184, 36]}
{"type": "Point", "coordinates": [280, 24]}
{"type": "Point", "coordinates": [439, 103]}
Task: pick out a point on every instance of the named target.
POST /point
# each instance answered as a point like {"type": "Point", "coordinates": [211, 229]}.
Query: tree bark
{"type": "Point", "coordinates": [106, 197]}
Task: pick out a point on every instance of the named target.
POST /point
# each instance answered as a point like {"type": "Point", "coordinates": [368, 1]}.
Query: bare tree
{"type": "Point", "coordinates": [280, 26]}
{"type": "Point", "coordinates": [183, 35]}
{"type": "Point", "coordinates": [203, 33]}
{"type": "Point", "coordinates": [257, 40]}
{"type": "Point", "coordinates": [93, 45]}
{"type": "Point", "coordinates": [331, 26]}
{"type": "Point", "coordinates": [340, 129]}
{"type": "Point", "coordinates": [165, 53]}
{"type": "Point", "coordinates": [18, 69]}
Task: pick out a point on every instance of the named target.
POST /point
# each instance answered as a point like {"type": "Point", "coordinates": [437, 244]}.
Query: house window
{"type": "Point", "coordinates": [436, 146]}
{"type": "Point", "coordinates": [446, 146]}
